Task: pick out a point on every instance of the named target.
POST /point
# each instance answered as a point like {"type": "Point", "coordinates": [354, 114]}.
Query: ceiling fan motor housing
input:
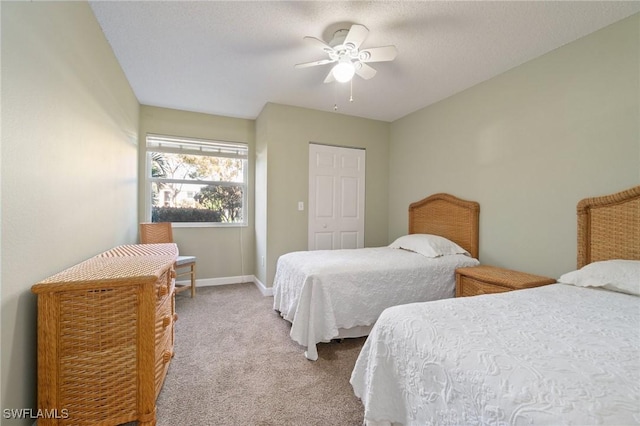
{"type": "Point", "coordinates": [338, 38]}
{"type": "Point", "coordinates": [342, 50]}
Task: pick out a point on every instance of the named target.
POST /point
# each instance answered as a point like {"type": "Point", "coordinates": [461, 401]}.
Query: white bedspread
{"type": "Point", "coordinates": [323, 291]}
{"type": "Point", "coordinates": [552, 355]}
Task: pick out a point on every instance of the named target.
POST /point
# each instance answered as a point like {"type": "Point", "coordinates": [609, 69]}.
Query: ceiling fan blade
{"type": "Point", "coordinates": [314, 63]}
{"type": "Point", "coordinates": [330, 78]}
{"type": "Point", "coordinates": [378, 54]}
{"type": "Point", "coordinates": [365, 71]}
{"type": "Point", "coordinates": [356, 35]}
{"type": "Point", "coordinates": [319, 43]}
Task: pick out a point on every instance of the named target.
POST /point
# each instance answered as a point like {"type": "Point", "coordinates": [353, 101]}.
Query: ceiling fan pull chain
{"type": "Point", "coordinates": [351, 94]}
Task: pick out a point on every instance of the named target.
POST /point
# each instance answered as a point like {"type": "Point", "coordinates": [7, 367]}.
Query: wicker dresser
{"type": "Point", "coordinates": [485, 279]}
{"type": "Point", "coordinates": [105, 336]}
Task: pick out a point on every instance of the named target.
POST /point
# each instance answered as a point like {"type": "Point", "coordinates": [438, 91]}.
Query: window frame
{"type": "Point", "coordinates": [198, 147]}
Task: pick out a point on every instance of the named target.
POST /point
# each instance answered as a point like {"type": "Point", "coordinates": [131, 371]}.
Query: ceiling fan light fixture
{"type": "Point", "coordinates": [344, 71]}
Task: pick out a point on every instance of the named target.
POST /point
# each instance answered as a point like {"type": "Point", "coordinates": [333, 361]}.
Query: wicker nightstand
{"type": "Point", "coordinates": [484, 279]}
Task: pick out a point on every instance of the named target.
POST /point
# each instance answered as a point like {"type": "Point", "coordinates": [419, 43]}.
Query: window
{"type": "Point", "coordinates": [195, 180]}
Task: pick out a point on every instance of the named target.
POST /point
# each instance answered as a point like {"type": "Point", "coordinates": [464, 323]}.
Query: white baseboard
{"type": "Point", "coordinates": [266, 291]}
{"type": "Point", "coordinates": [206, 282]}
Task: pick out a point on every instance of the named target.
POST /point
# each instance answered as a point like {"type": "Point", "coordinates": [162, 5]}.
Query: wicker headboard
{"type": "Point", "coordinates": [449, 217]}
{"type": "Point", "coordinates": [609, 227]}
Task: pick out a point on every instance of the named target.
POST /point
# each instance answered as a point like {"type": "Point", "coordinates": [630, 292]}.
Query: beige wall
{"type": "Point", "coordinates": [285, 133]}
{"type": "Point", "coordinates": [528, 145]}
{"type": "Point", "coordinates": [221, 251]}
{"type": "Point", "coordinates": [69, 165]}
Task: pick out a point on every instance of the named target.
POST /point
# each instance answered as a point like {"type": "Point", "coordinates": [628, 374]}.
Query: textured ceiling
{"type": "Point", "coordinates": [230, 58]}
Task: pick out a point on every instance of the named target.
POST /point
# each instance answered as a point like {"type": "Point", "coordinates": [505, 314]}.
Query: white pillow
{"type": "Point", "coordinates": [428, 245]}
{"type": "Point", "coordinates": [616, 275]}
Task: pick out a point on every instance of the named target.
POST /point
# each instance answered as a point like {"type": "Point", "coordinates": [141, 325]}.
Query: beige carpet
{"type": "Point", "coordinates": [235, 364]}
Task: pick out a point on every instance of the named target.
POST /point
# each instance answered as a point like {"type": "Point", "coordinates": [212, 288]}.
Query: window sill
{"type": "Point", "coordinates": [207, 225]}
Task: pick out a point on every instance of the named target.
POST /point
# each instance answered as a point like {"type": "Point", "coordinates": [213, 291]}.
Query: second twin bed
{"type": "Point", "coordinates": [329, 294]}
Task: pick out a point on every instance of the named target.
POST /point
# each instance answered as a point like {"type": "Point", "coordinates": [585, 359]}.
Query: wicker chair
{"type": "Point", "coordinates": [161, 232]}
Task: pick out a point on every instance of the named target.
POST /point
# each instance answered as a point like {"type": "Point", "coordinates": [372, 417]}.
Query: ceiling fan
{"type": "Point", "coordinates": [344, 50]}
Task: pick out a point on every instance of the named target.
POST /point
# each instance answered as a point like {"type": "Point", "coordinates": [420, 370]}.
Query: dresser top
{"type": "Point", "coordinates": [130, 263]}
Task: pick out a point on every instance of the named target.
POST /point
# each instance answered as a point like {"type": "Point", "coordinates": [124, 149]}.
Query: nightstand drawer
{"type": "Point", "coordinates": [486, 279]}
{"type": "Point", "coordinates": [471, 287]}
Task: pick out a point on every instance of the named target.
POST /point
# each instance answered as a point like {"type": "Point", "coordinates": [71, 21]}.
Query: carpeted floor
{"type": "Point", "coordinates": [235, 364]}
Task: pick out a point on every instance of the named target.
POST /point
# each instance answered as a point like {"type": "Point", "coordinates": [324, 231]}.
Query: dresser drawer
{"type": "Point", "coordinates": [165, 283]}
{"type": "Point", "coordinates": [164, 353]}
{"type": "Point", "coordinates": [164, 337]}
{"type": "Point", "coordinates": [164, 319]}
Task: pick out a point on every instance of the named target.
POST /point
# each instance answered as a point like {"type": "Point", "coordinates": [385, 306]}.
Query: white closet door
{"type": "Point", "coordinates": [336, 197]}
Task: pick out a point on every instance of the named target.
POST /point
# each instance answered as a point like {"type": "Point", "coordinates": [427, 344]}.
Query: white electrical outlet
{"type": "Point", "coordinates": [300, 205]}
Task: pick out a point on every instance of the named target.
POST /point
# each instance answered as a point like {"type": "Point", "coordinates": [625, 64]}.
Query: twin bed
{"type": "Point", "coordinates": [330, 294]}
{"type": "Point", "coordinates": [566, 353]}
